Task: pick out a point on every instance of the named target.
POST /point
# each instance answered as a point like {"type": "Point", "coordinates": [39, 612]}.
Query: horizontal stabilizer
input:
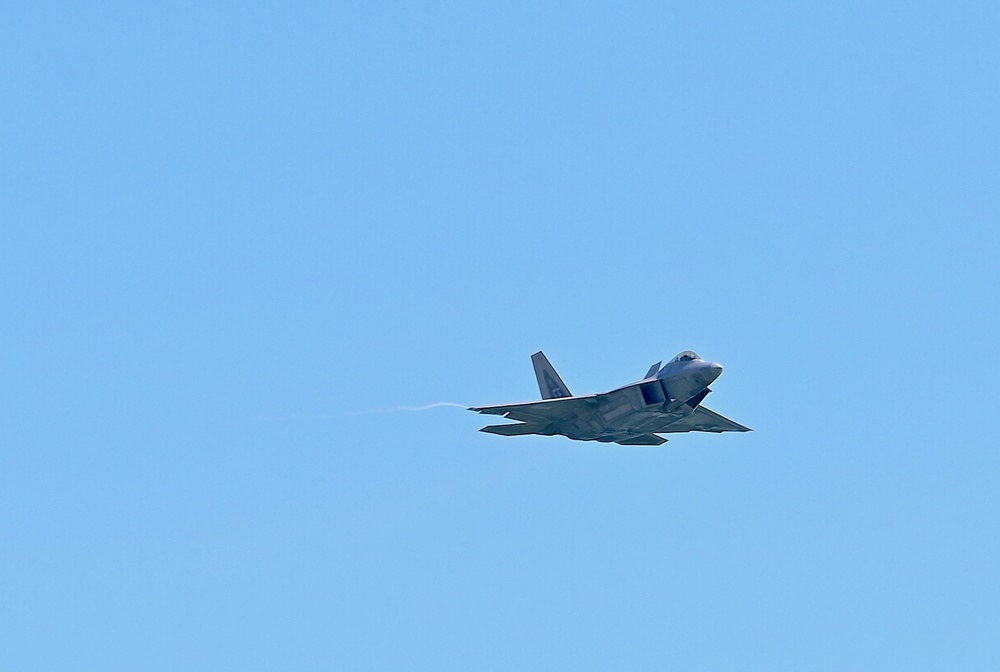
{"type": "Point", "coordinates": [516, 429]}
{"type": "Point", "coordinates": [642, 440]}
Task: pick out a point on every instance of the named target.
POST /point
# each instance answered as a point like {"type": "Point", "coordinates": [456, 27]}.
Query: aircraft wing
{"type": "Point", "coordinates": [703, 420]}
{"type": "Point", "coordinates": [540, 411]}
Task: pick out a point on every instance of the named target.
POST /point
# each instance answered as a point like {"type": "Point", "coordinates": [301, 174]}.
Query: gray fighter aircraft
{"type": "Point", "coordinates": [667, 400]}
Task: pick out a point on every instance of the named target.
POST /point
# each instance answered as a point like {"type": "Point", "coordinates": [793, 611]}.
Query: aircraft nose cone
{"type": "Point", "coordinates": [714, 370]}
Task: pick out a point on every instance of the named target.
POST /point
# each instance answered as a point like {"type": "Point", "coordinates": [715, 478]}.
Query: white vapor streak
{"type": "Point", "coordinates": [370, 411]}
{"type": "Point", "coordinates": [438, 404]}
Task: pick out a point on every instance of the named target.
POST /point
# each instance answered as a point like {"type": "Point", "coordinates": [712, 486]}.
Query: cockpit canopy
{"type": "Point", "coordinates": [686, 356]}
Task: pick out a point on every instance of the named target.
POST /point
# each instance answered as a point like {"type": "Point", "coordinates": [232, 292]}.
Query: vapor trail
{"type": "Point", "coordinates": [370, 411]}
{"type": "Point", "coordinates": [396, 409]}
{"type": "Point", "coordinates": [437, 404]}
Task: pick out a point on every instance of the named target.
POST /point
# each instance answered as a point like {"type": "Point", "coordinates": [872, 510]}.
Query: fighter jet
{"type": "Point", "coordinates": [667, 400]}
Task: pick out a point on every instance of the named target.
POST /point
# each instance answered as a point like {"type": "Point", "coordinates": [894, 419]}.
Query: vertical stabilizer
{"type": "Point", "coordinates": [549, 382]}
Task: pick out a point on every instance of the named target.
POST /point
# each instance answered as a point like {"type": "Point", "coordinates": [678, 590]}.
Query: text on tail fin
{"type": "Point", "coordinates": [549, 383]}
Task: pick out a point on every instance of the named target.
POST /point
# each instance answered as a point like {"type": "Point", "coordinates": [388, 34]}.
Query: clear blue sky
{"type": "Point", "coordinates": [229, 232]}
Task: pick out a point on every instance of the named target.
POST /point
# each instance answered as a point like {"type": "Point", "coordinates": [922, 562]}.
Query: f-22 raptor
{"type": "Point", "coordinates": [667, 400]}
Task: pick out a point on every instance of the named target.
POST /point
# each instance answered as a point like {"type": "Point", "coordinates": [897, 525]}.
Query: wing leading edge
{"type": "Point", "coordinates": [704, 420]}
